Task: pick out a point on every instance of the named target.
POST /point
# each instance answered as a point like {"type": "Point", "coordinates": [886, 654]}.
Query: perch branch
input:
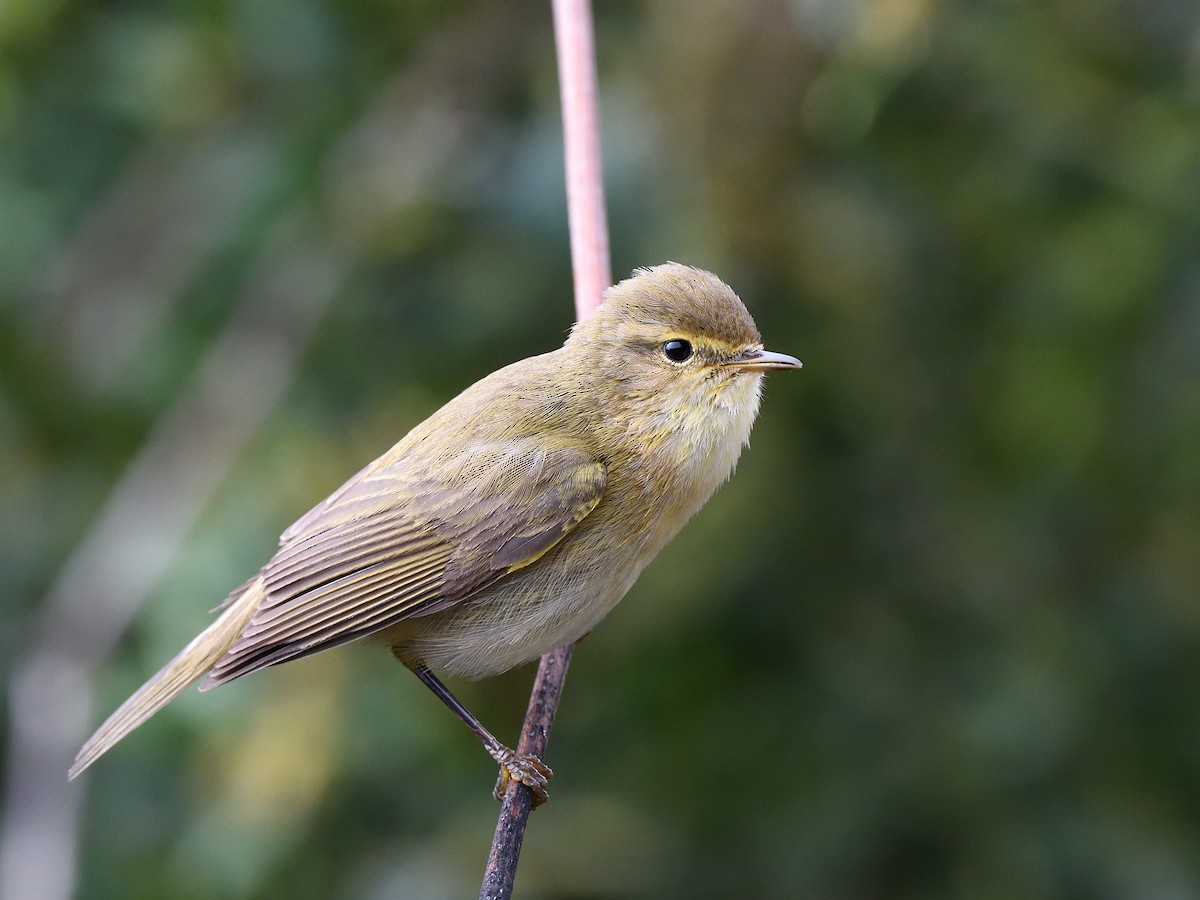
{"type": "Point", "coordinates": [593, 274]}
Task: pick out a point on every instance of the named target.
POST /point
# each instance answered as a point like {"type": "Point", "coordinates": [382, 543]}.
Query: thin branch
{"type": "Point", "coordinates": [518, 799]}
{"type": "Point", "coordinates": [581, 144]}
{"type": "Point", "coordinates": [593, 274]}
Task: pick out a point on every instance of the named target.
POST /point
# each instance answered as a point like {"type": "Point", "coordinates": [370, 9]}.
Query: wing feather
{"type": "Point", "coordinates": [391, 550]}
{"type": "Point", "coordinates": [392, 543]}
{"type": "Point", "coordinates": [346, 598]}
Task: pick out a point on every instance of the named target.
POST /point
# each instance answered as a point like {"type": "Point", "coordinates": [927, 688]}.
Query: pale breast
{"type": "Point", "coordinates": [563, 595]}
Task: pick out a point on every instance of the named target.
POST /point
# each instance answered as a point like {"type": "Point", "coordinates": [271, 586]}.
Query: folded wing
{"type": "Point", "coordinates": [393, 543]}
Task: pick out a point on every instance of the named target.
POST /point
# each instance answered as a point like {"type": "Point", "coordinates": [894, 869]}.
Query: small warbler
{"type": "Point", "coordinates": [514, 518]}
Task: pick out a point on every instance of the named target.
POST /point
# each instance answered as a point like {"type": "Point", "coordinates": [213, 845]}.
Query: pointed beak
{"type": "Point", "coordinates": [762, 360]}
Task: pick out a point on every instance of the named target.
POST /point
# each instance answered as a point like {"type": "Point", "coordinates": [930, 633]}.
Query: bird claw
{"type": "Point", "coordinates": [525, 768]}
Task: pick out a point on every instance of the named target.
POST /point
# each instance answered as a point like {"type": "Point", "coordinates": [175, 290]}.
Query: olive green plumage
{"type": "Point", "coordinates": [516, 516]}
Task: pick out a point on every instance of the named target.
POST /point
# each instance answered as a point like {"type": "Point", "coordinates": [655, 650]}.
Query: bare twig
{"type": "Point", "coordinates": [593, 274]}
{"type": "Point", "coordinates": [581, 144]}
{"type": "Point", "coordinates": [518, 799]}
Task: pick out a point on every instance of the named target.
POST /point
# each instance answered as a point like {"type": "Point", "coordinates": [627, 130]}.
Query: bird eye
{"type": "Point", "coordinates": [677, 350]}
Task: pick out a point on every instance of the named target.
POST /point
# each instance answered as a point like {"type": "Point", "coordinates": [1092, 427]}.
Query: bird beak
{"type": "Point", "coordinates": [762, 360]}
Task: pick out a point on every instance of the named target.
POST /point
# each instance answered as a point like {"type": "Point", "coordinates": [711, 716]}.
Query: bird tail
{"type": "Point", "coordinates": [193, 661]}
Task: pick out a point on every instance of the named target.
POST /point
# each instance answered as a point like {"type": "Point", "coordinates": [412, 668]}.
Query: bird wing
{"type": "Point", "coordinates": [305, 523]}
{"type": "Point", "coordinates": [394, 543]}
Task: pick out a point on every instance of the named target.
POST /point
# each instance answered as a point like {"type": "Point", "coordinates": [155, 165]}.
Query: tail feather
{"type": "Point", "coordinates": [193, 661]}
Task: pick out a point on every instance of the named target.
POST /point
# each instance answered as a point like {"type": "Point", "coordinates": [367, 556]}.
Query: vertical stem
{"type": "Point", "coordinates": [502, 861]}
{"type": "Point", "coordinates": [593, 274]}
{"type": "Point", "coordinates": [581, 138]}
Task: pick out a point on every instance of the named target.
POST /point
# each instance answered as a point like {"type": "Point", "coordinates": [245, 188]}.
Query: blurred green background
{"type": "Point", "coordinates": [939, 637]}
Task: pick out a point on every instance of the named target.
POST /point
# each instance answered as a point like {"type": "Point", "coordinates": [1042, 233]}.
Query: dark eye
{"type": "Point", "coordinates": [677, 350]}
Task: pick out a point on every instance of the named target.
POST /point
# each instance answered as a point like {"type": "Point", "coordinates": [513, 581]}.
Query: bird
{"type": "Point", "coordinates": [514, 518]}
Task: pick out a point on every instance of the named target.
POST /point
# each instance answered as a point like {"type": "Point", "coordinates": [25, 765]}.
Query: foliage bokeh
{"type": "Point", "coordinates": [940, 636]}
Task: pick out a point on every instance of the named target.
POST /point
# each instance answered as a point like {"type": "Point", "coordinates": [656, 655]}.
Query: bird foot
{"type": "Point", "coordinates": [525, 768]}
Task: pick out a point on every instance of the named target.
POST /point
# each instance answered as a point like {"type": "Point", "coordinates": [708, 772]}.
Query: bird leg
{"type": "Point", "coordinates": [525, 768]}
